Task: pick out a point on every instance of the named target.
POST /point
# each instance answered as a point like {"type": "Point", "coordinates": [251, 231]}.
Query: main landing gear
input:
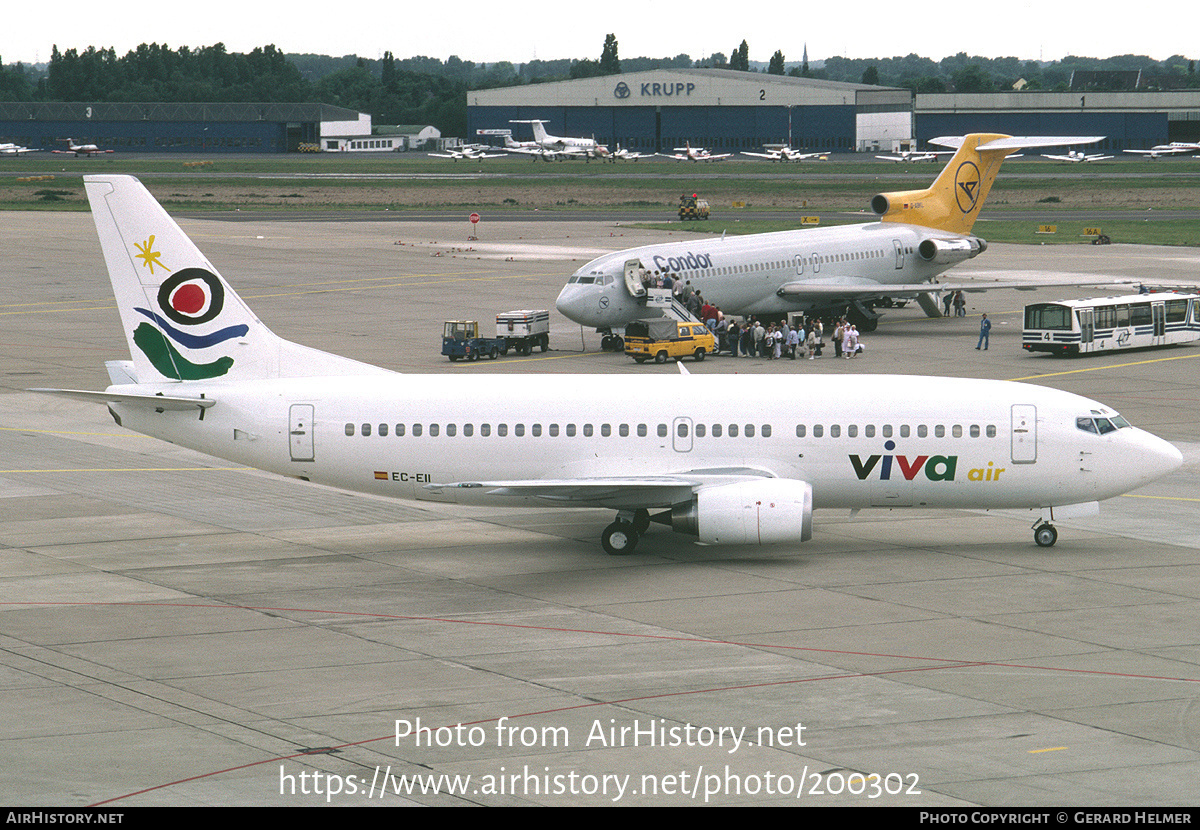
{"type": "Point", "coordinates": [1045, 534]}
{"type": "Point", "coordinates": [621, 537]}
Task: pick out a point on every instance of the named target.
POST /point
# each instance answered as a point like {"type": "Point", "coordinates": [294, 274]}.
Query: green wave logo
{"type": "Point", "coordinates": [170, 363]}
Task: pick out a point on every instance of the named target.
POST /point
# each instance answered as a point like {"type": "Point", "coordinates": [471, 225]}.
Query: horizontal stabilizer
{"type": "Point", "coordinates": [134, 398]}
{"type": "Point", "coordinates": [1019, 142]}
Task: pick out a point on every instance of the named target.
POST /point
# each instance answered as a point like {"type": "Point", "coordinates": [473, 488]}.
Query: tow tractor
{"type": "Point", "coordinates": [517, 330]}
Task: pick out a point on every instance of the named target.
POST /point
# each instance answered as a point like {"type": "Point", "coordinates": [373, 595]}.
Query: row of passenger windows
{"type": "Point", "coordinates": [683, 429]}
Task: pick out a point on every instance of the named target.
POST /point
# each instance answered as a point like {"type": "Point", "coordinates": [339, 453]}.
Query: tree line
{"type": "Point", "coordinates": [424, 90]}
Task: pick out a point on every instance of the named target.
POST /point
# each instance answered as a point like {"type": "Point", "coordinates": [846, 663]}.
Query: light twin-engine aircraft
{"type": "Point", "coordinates": [820, 270]}
{"type": "Point", "coordinates": [80, 149]}
{"type": "Point", "coordinates": [781, 152]}
{"type": "Point", "coordinates": [1159, 151]}
{"type": "Point", "coordinates": [468, 152]}
{"type": "Point", "coordinates": [735, 459]}
{"type": "Point", "coordinates": [1078, 157]}
{"type": "Point", "coordinates": [552, 147]}
{"type": "Point", "coordinates": [690, 153]}
{"type": "Point", "coordinates": [15, 150]}
{"type": "Point", "coordinates": [916, 155]}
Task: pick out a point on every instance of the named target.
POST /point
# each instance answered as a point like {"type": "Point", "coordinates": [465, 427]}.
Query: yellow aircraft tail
{"type": "Point", "coordinates": [952, 203]}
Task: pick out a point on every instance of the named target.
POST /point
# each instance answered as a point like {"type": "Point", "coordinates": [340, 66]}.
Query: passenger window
{"type": "Point", "coordinates": [366, 430]}
{"type": "Point", "coordinates": [662, 430]}
{"type": "Point", "coordinates": [956, 431]}
{"type": "Point", "coordinates": [451, 430]}
{"type": "Point", "coordinates": [571, 430]}
{"type": "Point", "coordinates": [587, 430]}
{"type": "Point", "coordinates": [869, 431]}
{"type": "Point", "coordinates": [887, 430]}
{"type": "Point", "coordinates": [433, 430]}
{"type": "Point", "coordinates": [536, 430]}
{"type": "Point", "coordinates": [974, 430]}
{"type": "Point", "coordinates": [818, 430]}
{"type": "Point", "coordinates": [716, 430]}
{"type": "Point", "coordinates": [606, 430]}
{"type": "Point", "coordinates": [519, 430]}
{"type": "Point", "coordinates": [681, 429]}
{"type": "Point", "coordinates": [641, 430]}
{"type": "Point", "coordinates": [852, 431]}
{"type": "Point", "coordinates": [991, 430]}
{"type": "Point", "coordinates": [939, 431]}
{"type": "Point", "coordinates": [700, 430]}
{"type": "Point", "coordinates": [766, 431]}
{"type": "Point", "coordinates": [623, 430]}
{"type": "Point", "coordinates": [468, 430]}
{"type": "Point", "coordinates": [554, 430]}
{"type": "Point", "coordinates": [922, 431]}
{"type": "Point", "coordinates": [904, 430]}
{"type": "Point", "coordinates": [733, 431]}
{"type": "Point", "coordinates": [399, 430]}
{"type": "Point", "coordinates": [800, 430]}
{"type": "Point", "coordinates": [835, 430]}
{"type": "Point", "coordinates": [383, 430]}
{"type": "Point", "coordinates": [749, 430]}
{"type": "Point", "coordinates": [416, 430]}
{"type": "Point", "coordinates": [485, 430]}
{"type": "Point", "coordinates": [502, 430]}
{"type": "Point", "coordinates": [350, 429]}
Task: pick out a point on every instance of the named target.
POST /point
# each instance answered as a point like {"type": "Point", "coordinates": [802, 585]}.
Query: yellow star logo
{"type": "Point", "coordinates": [148, 255]}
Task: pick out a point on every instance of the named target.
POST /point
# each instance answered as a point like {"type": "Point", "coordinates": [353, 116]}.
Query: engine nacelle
{"type": "Point", "coordinates": [748, 513]}
{"type": "Point", "coordinates": [949, 251]}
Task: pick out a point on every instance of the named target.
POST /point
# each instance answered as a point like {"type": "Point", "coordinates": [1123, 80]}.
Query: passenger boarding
{"type": "Point", "coordinates": [739, 459]}
{"type": "Point", "coordinates": [819, 271]}
{"type": "Point", "coordinates": [1109, 324]}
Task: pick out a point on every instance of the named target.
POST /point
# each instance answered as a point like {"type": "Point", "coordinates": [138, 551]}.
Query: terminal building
{"type": "Point", "coordinates": [729, 111]}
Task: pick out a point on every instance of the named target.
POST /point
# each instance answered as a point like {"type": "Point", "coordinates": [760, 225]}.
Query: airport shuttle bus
{"type": "Point", "coordinates": [1107, 324]}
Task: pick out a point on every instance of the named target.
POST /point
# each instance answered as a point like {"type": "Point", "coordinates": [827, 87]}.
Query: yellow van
{"type": "Point", "coordinates": [663, 339]}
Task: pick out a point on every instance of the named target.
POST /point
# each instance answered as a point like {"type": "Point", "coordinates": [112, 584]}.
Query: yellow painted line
{"type": "Point", "coordinates": [130, 470]}
{"type": "Point", "coordinates": [1164, 498]}
{"type": "Point", "coordinates": [1047, 749]}
{"type": "Point", "coordinates": [501, 360]}
{"type": "Point", "coordinates": [1111, 366]}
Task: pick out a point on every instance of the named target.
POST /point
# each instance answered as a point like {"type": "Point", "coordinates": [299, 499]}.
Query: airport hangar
{"type": "Point", "coordinates": [729, 111]}
{"type": "Point", "coordinates": [196, 127]}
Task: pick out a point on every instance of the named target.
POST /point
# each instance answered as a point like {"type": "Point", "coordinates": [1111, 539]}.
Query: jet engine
{"type": "Point", "coordinates": [949, 251]}
{"type": "Point", "coordinates": [747, 513]}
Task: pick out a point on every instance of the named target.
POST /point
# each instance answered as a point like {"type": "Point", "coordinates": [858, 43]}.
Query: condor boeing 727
{"type": "Point", "coordinates": [820, 270]}
{"type": "Point", "coordinates": [737, 459]}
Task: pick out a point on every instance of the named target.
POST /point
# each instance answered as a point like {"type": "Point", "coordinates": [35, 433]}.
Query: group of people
{"type": "Point", "coordinates": [805, 339]}
{"type": "Point", "coordinates": [956, 299]}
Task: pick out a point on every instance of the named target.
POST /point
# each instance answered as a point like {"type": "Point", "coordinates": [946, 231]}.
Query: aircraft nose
{"type": "Point", "coordinates": [576, 303]}
{"type": "Point", "coordinates": [1159, 458]}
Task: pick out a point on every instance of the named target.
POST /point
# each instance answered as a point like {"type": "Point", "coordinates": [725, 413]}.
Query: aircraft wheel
{"type": "Point", "coordinates": [606, 343]}
{"type": "Point", "coordinates": [641, 521]}
{"type": "Point", "coordinates": [699, 355]}
{"type": "Point", "coordinates": [618, 343]}
{"type": "Point", "coordinates": [619, 539]}
{"type": "Point", "coordinates": [661, 357]}
{"type": "Point", "coordinates": [1045, 535]}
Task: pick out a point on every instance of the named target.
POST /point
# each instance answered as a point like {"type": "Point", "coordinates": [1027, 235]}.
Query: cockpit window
{"type": "Point", "coordinates": [1099, 425]}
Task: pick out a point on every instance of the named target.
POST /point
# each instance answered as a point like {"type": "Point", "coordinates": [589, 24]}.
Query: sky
{"type": "Point", "coordinates": [487, 32]}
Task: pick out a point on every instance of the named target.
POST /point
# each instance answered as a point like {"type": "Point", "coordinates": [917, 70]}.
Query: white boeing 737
{"type": "Point", "coordinates": [820, 270]}
{"type": "Point", "coordinates": [742, 459]}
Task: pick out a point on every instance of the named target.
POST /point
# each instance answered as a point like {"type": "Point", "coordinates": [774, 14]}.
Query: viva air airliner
{"type": "Point", "coordinates": [823, 271]}
{"type": "Point", "coordinates": [741, 459]}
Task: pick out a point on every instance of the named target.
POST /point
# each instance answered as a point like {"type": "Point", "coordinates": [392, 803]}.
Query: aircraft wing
{"type": "Point", "coordinates": [621, 493]}
{"type": "Point", "coordinates": [137, 399]}
{"type": "Point", "coordinates": [772, 156]}
{"type": "Point", "coordinates": [1019, 142]}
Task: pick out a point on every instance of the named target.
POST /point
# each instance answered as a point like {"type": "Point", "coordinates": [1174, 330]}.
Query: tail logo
{"type": "Point", "coordinates": [966, 186]}
{"type": "Point", "coordinates": [189, 297]}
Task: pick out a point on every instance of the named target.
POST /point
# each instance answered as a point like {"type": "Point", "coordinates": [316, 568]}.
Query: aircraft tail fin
{"type": "Point", "coordinates": [181, 319]}
{"type": "Point", "coordinates": [952, 203]}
